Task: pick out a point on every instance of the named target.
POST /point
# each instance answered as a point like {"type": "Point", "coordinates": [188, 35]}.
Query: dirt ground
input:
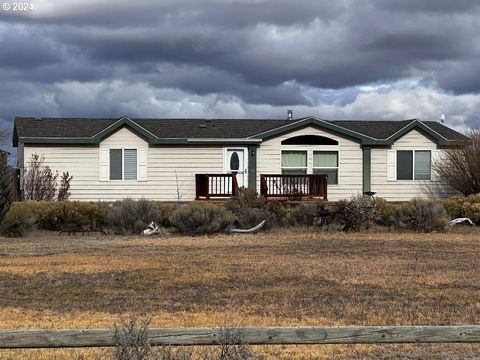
{"type": "Point", "coordinates": [288, 277]}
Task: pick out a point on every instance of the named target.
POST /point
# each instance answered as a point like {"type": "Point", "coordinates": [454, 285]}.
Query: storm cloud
{"type": "Point", "coordinates": [254, 58]}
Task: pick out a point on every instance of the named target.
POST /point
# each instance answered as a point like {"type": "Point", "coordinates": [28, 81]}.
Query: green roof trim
{"type": "Point", "coordinates": [419, 125]}
{"type": "Point", "coordinates": [362, 138]}
{"type": "Point", "coordinates": [124, 122]}
{"type": "Point", "coordinates": [311, 120]}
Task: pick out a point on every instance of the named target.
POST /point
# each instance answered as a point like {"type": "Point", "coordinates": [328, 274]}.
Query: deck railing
{"type": "Point", "coordinates": [294, 186]}
{"type": "Point", "coordinates": [215, 186]}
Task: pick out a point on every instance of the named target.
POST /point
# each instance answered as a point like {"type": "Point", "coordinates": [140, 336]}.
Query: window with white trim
{"type": "Point", "coordinates": [294, 162]}
{"type": "Point", "coordinates": [326, 163]}
{"type": "Point", "coordinates": [414, 164]}
{"type": "Point", "coordinates": [123, 164]}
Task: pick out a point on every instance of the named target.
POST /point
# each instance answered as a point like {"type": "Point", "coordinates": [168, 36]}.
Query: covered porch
{"type": "Point", "coordinates": [272, 186]}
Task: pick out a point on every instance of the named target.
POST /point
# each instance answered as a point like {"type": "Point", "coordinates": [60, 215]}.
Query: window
{"type": "Point", "coordinates": [123, 164]}
{"type": "Point", "coordinates": [326, 163]}
{"type": "Point", "coordinates": [414, 164]}
{"type": "Point", "coordinates": [294, 162]}
{"type": "Point", "coordinates": [423, 165]}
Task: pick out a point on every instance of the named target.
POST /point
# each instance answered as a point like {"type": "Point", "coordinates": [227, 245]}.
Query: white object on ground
{"type": "Point", "coordinates": [252, 230]}
{"type": "Point", "coordinates": [460, 220]}
{"type": "Point", "coordinates": [151, 229]}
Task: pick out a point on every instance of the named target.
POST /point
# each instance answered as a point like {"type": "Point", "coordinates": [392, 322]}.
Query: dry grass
{"type": "Point", "coordinates": [280, 278]}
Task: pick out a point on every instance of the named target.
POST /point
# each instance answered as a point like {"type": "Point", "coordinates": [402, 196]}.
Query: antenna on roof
{"type": "Point", "coordinates": [289, 114]}
{"type": "Point", "coordinates": [442, 118]}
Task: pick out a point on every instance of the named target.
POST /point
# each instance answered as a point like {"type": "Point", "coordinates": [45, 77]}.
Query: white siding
{"type": "Point", "coordinates": [399, 190]}
{"type": "Point", "coordinates": [162, 162]}
{"type": "Point", "coordinates": [349, 161]}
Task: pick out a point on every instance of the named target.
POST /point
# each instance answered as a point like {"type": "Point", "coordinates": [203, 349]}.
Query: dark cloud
{"type": "Point", "coordinates": [343, 58]}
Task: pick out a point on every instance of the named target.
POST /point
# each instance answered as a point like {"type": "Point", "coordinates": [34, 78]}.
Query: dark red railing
{"type": "Point", "coordinates": [215, 185]}
{"type": "Point", "coordinates": [294, 186]}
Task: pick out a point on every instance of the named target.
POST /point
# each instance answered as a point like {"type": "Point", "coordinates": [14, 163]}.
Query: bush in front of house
{"type": "Point", "coordinates": [251, 209]}
{"type": "Point", "coordinates": [307, 214]}
{"type": "Point", "coordinates": [463, 206]}
{"type": "Point", "coordinates": [420, 215]}
{"type": "Point", "coordinates": [355, 214]}
{"type": "Point", "coordinates": [164, 210]}
{"type": "Point", "coordinates": [130, 216]}
{"type": "Point", "coordinates": [384, 212]}
{"type": "Point", "coordinates": [26, 216]}
{"type": "Point", "coordinates": [201, 218]}
{"type": "Point", "coordinates": [72, 216]}
{"type": "Point", "coordinates": [22, 217]}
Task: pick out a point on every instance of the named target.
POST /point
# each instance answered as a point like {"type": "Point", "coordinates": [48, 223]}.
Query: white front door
{"type": "Point", "coordinates": [236, 161]}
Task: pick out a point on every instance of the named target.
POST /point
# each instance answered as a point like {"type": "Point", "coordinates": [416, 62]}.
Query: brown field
{"type": "Point", "coordinates": [291, 277]}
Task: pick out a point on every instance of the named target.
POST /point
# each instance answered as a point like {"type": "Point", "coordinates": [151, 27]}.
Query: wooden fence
{"type": "Point", "coordinates": [76, 338]}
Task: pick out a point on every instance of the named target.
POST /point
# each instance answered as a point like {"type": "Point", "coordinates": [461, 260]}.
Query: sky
{"type": "Point", "coordinates": [339, 59]}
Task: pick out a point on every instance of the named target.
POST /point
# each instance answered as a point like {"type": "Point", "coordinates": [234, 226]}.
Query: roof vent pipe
{"type": "Point", "coordinates": [289, 114]}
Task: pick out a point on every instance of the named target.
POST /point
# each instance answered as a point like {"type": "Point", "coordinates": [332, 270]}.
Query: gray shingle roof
{"type": "Point", "coordinates": [29, 127]}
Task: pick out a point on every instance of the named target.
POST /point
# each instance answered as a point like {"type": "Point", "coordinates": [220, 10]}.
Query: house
{"type": "Point", "coordinates": [187, 159]}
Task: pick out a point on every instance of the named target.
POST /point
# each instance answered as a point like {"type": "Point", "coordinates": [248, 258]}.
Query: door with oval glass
{"type": "Point", "coordinates": [236, 161]}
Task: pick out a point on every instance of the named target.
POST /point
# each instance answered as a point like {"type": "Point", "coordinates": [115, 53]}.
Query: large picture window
{"type": "Point", "coordinates": [326, 163]}
{"type": "Point", "coordinates": [123, 164]}
{"type": "Point", "coordinates": [414, 164]}
{"type": "Point", "coordinates": [294, 162]}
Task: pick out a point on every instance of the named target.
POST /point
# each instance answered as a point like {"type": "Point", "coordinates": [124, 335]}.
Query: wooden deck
{"type": "Point", "coordinates": [272, 186]}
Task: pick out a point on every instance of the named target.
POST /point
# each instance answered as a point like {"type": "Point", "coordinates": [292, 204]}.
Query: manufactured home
{"type": "Point", "coordinates": [188, 159]}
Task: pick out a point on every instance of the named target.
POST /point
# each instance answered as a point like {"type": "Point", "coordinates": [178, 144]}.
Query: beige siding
{"type": "Point", "coordinates": [163, 163]}
{"type": "Point", "coordinates": [350, 160]}
{"type": "Point", "coordinates": [400, 190]}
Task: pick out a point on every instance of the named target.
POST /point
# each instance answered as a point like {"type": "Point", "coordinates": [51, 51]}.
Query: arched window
{"type": "Point", "coordinates": [234, 161]}
{"type": "Point", "coordinates": [309, 140]}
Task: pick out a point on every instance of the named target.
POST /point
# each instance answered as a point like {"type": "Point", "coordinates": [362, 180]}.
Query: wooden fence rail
{"type": "Point", "coordinates": [76, 338]}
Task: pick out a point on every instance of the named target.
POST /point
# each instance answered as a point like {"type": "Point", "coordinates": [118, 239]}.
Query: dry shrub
{"type": "Point", "coordinates": [201, 218]}
{"type": "Point", "coordinates": [22, 217]}
{"type": "Point", "coordinates": [72, 216]}
{"type": "Point", "coordinates": [130, 216]}
{"type": "Point", "coordinates": [420, 215]}
{"type": "Point", "coordinates": [40, 183]}
{"type": "Point", "coordinates": [459, 167]}
{"type": "Point", "coordinates": [384, 212]}
{"type": "Point", "coordinates": [355, 214]}
{"type": "Point", "coordinates": [64, 187]}
{"type": "Point", "coordinates": [131, 340]}
{"type": "Point", "coordinates": [164, 210]}
{"type": "Point", "coordinates": [132, 343]}
{"type": "Point", "coordinates": [308, 214]}
{"type": "Point", "coordinates": [251, 209]}
{"type": "Point", "coordinates": [232, 347]}
{"type": "Point", "coordinates": [68, 215]}
{"type": "Point", "coordinates": [463, 206]}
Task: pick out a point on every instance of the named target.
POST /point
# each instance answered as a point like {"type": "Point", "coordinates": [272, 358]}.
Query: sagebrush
{"type": "Point", "coordinates": [250, 209]}
{"type": "Point", "coordinates": [26, 216]}
{"type": "Point", "coordinates": [355, 214]}
{"type": "Point", "coordinates": [130, 216]}
{"type": "Point", "coordinates": [420, 215]}
{"type": "Point", "coordinates": [463, 206]}
{"type": "Point", "coordinates": [201, 218]}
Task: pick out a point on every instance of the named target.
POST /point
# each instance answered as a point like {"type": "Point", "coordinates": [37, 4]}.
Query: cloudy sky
{"type": "Point", "coordinates": [339, 59]}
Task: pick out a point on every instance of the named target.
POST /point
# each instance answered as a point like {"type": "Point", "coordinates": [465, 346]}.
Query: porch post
{"type": "Point", "coordinates": [252, 166]}
{"type": "Point", "coordinates": [367, 168]}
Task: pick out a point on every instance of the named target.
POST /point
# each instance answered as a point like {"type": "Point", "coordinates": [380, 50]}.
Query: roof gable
{"type": "Point", "coordinates": [121, 123]}
{"type": "Point", "coordinates": [324, 124]}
